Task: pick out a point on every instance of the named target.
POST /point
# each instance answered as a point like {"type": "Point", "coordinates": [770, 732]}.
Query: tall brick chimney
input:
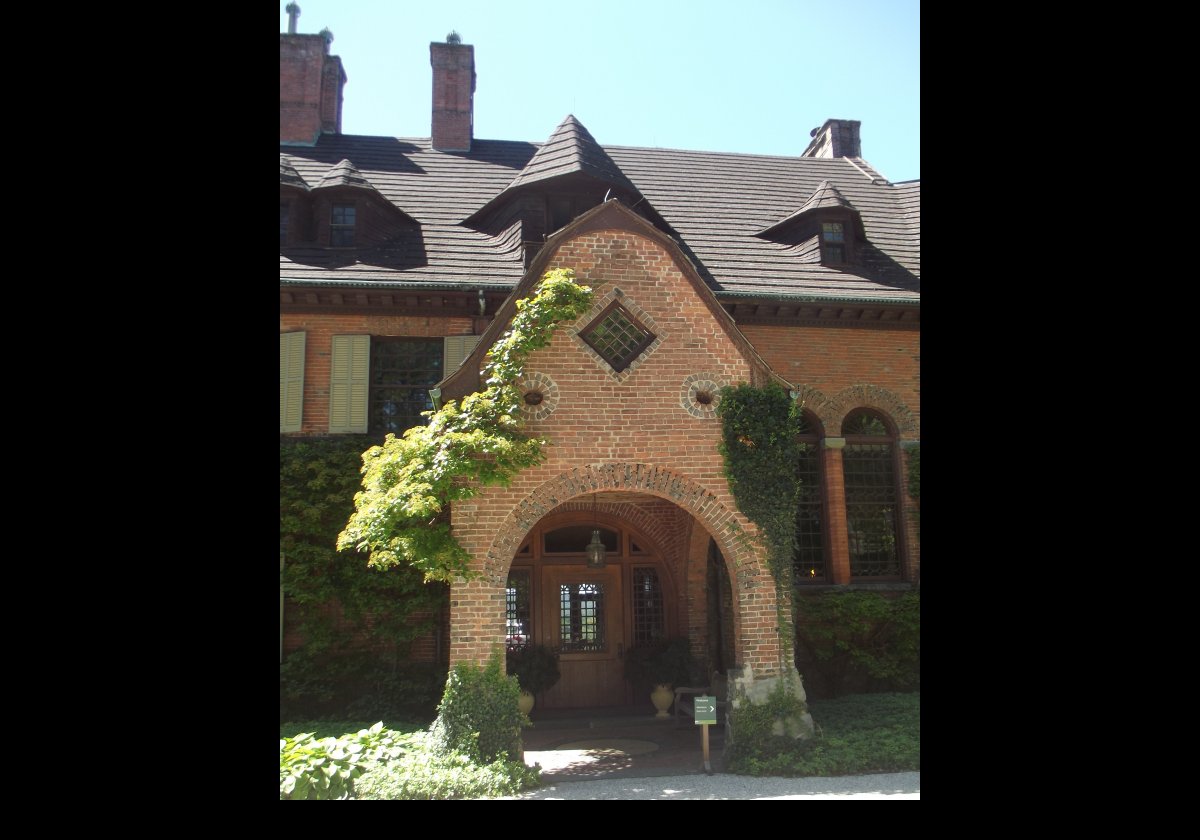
{"type": "Point", "coordinates": [453, 94]}
{"type": "Point", "coordinates": [836, 138]}
{"type": "Point", "coordinates": [310, 88]}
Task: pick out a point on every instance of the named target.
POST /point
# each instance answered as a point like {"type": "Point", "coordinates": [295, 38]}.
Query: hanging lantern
{"type": "Point", "coordinates": [595, 549]}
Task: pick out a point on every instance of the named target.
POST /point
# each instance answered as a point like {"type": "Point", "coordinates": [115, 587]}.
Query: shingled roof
{"type": "Point", "coordinates": [715, 203]}
{"type": "Point", "coordinates": [824, 197]}
{"type": "Point", "coordinates": [571, 150]}
{"type": "Point", "coordinates": [345, 174]}
{"type": "Point", "coordinates": [288, 176]}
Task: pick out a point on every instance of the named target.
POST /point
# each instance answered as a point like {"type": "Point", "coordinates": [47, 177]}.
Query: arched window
{"type": "Point", "coordinates": [808, 562]}
{"type": "Point", "coordinates": [872, 494]}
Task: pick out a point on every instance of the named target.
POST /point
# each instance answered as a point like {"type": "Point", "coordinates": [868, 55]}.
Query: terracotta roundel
{"type": "Point", "coordinates": [539, 396]}
{"type": "Point", "coordinates": [700, 394]}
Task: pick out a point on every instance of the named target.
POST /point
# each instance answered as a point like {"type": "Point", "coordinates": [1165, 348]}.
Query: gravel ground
{"type": "Point", "coordinates": [728, 786]}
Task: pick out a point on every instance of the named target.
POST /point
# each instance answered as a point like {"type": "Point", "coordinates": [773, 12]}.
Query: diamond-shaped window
{"type": "Point", "coordinates": [617, 336]}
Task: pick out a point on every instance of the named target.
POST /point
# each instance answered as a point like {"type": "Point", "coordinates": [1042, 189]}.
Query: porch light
{"type": "Point", "coordinates": [595, 549]}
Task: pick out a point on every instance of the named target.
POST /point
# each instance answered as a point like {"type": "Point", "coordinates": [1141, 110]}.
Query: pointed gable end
{"type": "Point", "coordinates": [609, 216]}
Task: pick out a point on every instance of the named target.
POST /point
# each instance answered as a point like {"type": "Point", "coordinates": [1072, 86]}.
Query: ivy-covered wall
{"type": "Point", "coordinates": [352, 629]}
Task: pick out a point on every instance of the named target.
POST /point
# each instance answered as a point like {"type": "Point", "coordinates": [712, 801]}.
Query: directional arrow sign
{"type": "Point", "coordinates": [706, 709]}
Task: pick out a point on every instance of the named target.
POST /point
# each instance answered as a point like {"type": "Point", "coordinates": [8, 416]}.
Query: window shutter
{"type": "Point", "coordinates": [456, 348]}
{"type": "Point", "coordinates": [291, 381]}
{"type": "Point", "coordinates": [350, 362]}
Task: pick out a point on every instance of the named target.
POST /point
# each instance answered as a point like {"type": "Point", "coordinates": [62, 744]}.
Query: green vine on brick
{"type": "Point", "coordinates": [409, 482]}
{"type": "Point", "coordinates": [759, 443]}
{"type": "Point", "coordinates": [914, 481]}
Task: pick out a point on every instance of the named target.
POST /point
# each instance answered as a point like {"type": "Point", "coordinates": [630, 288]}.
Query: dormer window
{"type": "Point", "coordinates": [341, 226]}
{"type": "Point", "coordinates": [284, 210]}
{"type": "Point", "coordinates": [833, 242]}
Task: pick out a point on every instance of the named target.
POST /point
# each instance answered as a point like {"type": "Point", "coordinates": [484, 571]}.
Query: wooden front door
{"type": "Point", "coordinates": [584, 621]}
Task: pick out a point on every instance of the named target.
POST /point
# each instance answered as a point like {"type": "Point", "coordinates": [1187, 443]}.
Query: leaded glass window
{"type": "Point", "coordinates": [617, 336]}
{"type": "Point", "coordinates": [518, 628]}
{"type": "Point", "coordinates": [808, 563]}
{"type": "Point", "coordinates": [649, 623]}
{"type": "Point", "coordinates": [833, 238]}
{"type": "Point", "coordinates": [869, 466]}
{"type": "Point", "coordinates": [581, 617]}
{"type": "Point", "coordinates": [341, 226]}
{"type": "Point", "coordinates": [402, 372]}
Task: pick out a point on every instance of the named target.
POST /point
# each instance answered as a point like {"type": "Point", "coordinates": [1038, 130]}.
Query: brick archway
{"type": "Point", "coordinates": [477, 606]}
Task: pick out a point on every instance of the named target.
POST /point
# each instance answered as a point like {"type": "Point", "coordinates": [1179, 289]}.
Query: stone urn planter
{"type": "Point", "coordinates": [658, 667]}
{"type": "Point", "coordinates": [525, 703]}
{"type": "Point", "coordinates": [662, 696]}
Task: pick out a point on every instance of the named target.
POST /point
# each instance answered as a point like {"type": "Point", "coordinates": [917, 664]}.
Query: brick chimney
{"type": "Point", "coordinates": [310, 88]}
{"type": "Point", "coordinates": [453, 94]}
{"type": "Point", "coordinates": [836, 138]}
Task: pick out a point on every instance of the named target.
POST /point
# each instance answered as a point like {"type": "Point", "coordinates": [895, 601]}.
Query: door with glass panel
{"type": "Point", "coordinates": [584, 621]}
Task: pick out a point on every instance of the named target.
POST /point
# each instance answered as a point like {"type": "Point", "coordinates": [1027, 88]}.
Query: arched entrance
{"type": "Point", "coordinates": [590, 617]}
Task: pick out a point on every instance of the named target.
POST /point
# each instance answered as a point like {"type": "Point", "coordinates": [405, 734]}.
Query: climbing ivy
{"type": "Point", "coordinates": [914, 482]}
{"type": "Point", "coordinates": [409, 482]}
{"type": "Point", "coordinates": [759, 443]}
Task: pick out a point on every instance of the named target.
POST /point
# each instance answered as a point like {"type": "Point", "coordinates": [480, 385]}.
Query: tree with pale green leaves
{"type": "Point", "coordinates": [409, 482]}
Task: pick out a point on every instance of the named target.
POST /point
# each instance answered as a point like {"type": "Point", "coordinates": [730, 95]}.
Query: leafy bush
{"type": "Point", "coordinates": [409, 482]}
{"type": "Point", "coordinates": [337, 602]}
{"type": "Point", "coordinates": [362, 685]}
{"type": "Point", "coordinates": [764, 730]}
{"type": "Point", "coordinates": [859, 641]}
{"type": "Point", "coordinates": [667, 662]}
{"type": "Point", "coordinates": [335, 728]}
{"type": "Point", "coordinates": [857, 734]}
{"type": "Point", "coordinates": [478, 715]}
{"type": "Point", "coordinates": [324, 769]}
{"type": "Point", "coordinates": [425, 773]}
{"type": "Point", "coordinates": [535, 667]}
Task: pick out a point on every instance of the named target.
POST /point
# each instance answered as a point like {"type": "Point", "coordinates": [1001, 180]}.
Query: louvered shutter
{"type": "Point", "coordinates": [291, 381]}
{"type": "Point", "coordinates": [349, 365]}
{"type": "Point", "coordinates": [455, 349]}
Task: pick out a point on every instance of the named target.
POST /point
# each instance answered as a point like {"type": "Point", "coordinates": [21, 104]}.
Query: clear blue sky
{"type": "Point", "coordinates": [753, 76]}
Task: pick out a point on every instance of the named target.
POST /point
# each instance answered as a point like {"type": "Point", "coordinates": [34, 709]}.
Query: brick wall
{"type": "Point", "coordinates": [321, 327]}
{"type": "Point", "coordinates": [632, 432]}
{"type": "Point", "coordinates": [627, 433]}
{"type": "Point", "coordinates": [829, 361]}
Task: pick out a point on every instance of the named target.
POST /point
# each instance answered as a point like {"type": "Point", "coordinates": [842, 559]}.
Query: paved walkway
{"type": "Point", "coordinates": [630, 754]}
{"type": "Point", "coordinates": [892, 786]}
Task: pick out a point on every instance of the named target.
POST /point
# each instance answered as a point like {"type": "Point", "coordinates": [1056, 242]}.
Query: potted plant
{"type": "Point", "coordinates": [659, 667]}
{"type": "Point", "coordinates": [536, 670]}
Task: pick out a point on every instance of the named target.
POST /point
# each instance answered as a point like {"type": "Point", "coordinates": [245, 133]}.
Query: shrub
{"type": "Point", "coordinates": [424, 773]}
{"type": "Point", "coordinates": [324, 769]}
{"type": "Point", "coordinates": [668, 662]}
{"type": "Point", "coordinates": [362, 685]}
{"type": "Point", "coordinates": [858, 734]}
{"type": "Point", "coordinates": [478, 715]}
{"type": "Point", "coordinates": [859, 641]}
{"type": "Point", "coordinates": [535, 667]}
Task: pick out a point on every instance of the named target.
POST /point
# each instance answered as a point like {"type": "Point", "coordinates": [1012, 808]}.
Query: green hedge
{"type": "Point", "coordinates": [357, 623]}
{"type": "Point", "coordinates": [858, 641]}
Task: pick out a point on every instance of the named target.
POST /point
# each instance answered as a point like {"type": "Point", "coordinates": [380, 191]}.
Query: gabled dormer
{"type": "Point", "coordinates": [343, 212]}
{"type": "Point", "coordinates": [827, 228]}
{"type": "Point", "coordinates": [294, 206]}
{"type": "Point", "coordinates": [570, 174]}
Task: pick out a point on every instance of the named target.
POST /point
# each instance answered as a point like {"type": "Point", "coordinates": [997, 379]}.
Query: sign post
{"type": "Point", "coordinates": [706, 713]}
